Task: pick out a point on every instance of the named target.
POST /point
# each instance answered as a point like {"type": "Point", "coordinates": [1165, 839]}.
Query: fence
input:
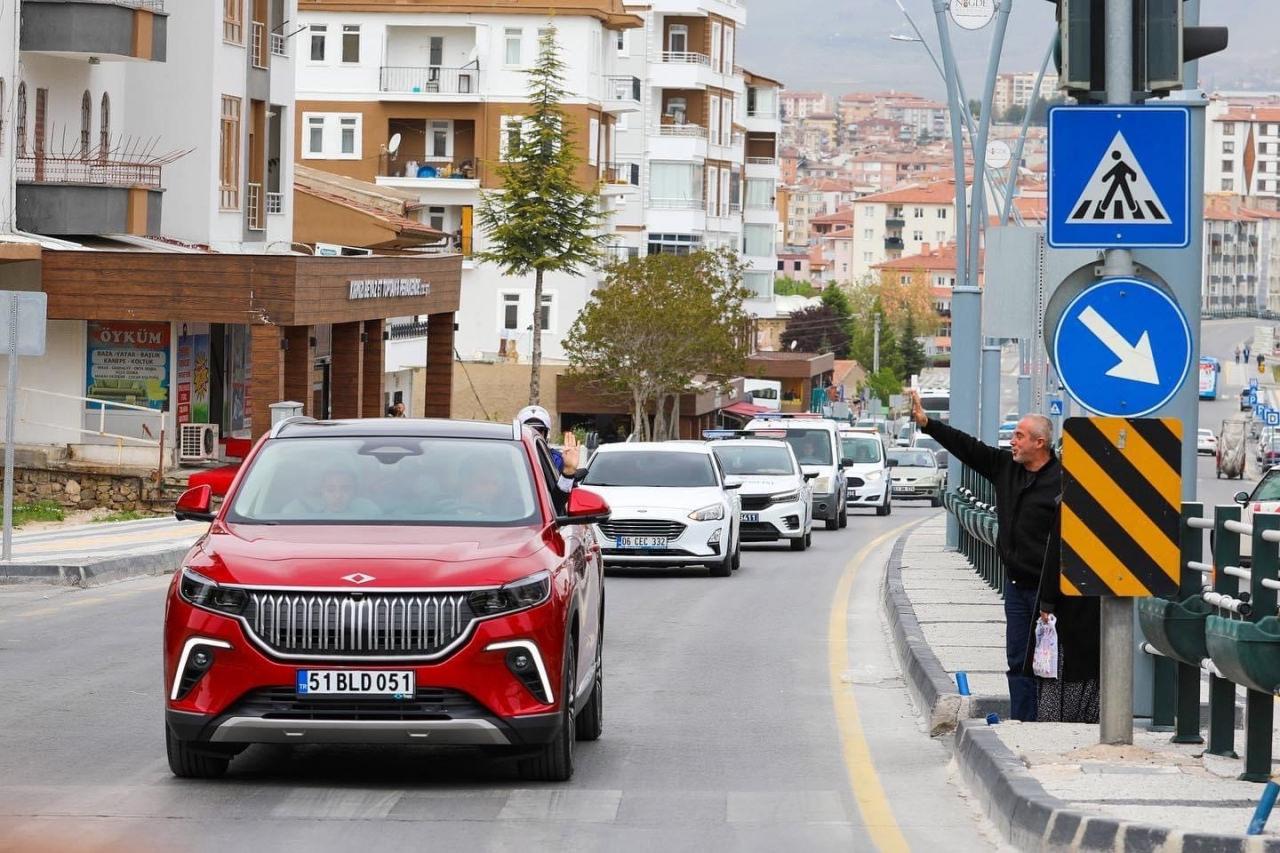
{"type": "Point", "coordinates": [430, 79]}
{"type": "Point", "coordinates": [972, 503]}
{"type": "Point", "coordinates": [80, 170]}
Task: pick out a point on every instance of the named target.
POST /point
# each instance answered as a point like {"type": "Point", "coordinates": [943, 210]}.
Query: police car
{"type": "Point", "coordinates": [775, 492]}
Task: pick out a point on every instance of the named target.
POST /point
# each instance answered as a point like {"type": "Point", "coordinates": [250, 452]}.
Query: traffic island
{"type": "Point", "coordinates": [1048, 785]}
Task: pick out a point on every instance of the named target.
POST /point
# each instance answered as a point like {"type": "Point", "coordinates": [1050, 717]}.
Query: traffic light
{"type": "Point", "coordinates": [1161, 45]}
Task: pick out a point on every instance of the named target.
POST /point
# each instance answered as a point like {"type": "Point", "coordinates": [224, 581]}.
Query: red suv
{"type": "Point", "coordinates": [388, 581]}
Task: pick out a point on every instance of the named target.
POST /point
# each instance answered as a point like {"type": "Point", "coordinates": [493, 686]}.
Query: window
{"type": "Point", "coordinates": [86, 123]}
{"type": "Point", "coordinates": [20, 121]}
{"type": "Point", "coordinates": [726, 124]}
{"type": "Point", "coordinates": [548, 300]}
{"type": "Point", "coordinates": [435, 51]}
{"type": "Point", "coordinates": [512, 128]}
{"type": "Point", "coordinates": [435, 218]}
{"type": "Point", "coordinates": [868, 234]}
{"type": "Point", "coordinates": [866, 257]}
{"type": "Point", "coordinates": [940, 236]}
{"type": "Point", "coordinates": [917, 236]}
{"type": "Point", "coordinates": [673, 244]}
{"type": "Point", "coordinates": [621, 42]}
{"type": "Point", "coordinates": [229, 154]}
{"type": "Point", "coordinates": [332, 136]}
{"type": "Point", "coordinates": [675, 185]}
{"type": "Point", "coordinates": [678, 38]}
{"type": "Point", "coordinates": [713, 192]}
{"type": "Point", "coordinates": [795, 265]}
{"type": "Point", "coordinates": [728, 50]}
{"type": "Point", "coordinates": [350, 42]}
{"type": "Point", "coordinates": [593, 141]}
{"type": "Point", "coordinates": [1228, 165]}
{"type": "Point", "coordinates": [347, 128]}
{"type": "Point", "coordinates": [715, 120]}
{"type": "Point", "coordinates": [782, 265]}
{"type": "Point", "coordinates": [1228, 147]}
{"type": "Point", "coordinates": [1228, 184]}
{"type": "Point", "coordinates": [104, 122]}
{"type": "Point", "coordinates": [514, 38]}
{"type": "Point", "coordinates": [942, 213]}
{"type": "Point", "coordinates": [511, 311]}
{"type": "Point", "coordinates": [724, 192]}
{"type": "Point", "coordinates": [1228, 128]}
{"type": "Point", "coordinates": [716, 38]}
{"type": "Point", "coordinates": [918, 212]}
{"type": "Point", "coordinates": [439, 139]}
{"type": "Point", "coordinates": [904, 279]}
{"type": "Point", "coordinates": [319, 33]}
{"type": "Point", "coordinates": [233, 21]}
{"type": "Point", "coordinates": [757, 240]}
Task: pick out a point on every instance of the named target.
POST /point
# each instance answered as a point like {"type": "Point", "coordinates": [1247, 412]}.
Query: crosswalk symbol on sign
{"type": "Point", "coordinates": [1119, 191]}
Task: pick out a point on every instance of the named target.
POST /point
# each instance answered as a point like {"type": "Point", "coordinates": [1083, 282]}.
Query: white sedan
{"type": "Point", "coordinates": [775, 496]}
{"type": "Point", "coordinates": [670, 506]}
{"type": "Point", "coordinates": [1206, 442]}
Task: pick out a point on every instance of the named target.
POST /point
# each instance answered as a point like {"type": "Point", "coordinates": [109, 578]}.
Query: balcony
{"type": "Point", "coordinates": [622, 94]}
{"type": "Point", "coordinates": [762, 167]}
{"type": "Point", "coordinates": [895, 223]}
{"type": "Point", "coordinates": [65, 195]}
{"type": "Point", "coordinates": [893, 244]}
{"type": "Point", "coordinates": [275, 204]}
{"type": "Point", "coordinates": [619, 178]}
{"type": "Point", "coordinates": [682, 70]}
{"type": "Point", "coordinates": [279, 44]}
{"type": "Point", "coordinates": [120, 30]}
{"type": "Point", "coordinates": [679, 142]}
{"type": "Point", "coordinates": [458, 83]}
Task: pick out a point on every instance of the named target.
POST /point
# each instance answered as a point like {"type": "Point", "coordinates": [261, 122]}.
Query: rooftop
{"type": "Point", "coordinates": [934, 192]}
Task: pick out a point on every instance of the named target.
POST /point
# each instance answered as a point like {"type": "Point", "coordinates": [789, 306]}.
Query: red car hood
{"type": "Point", "coordinates": [320, 555]}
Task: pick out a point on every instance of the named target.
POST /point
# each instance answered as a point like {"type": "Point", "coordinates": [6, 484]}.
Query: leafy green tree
{"type": "Point", "coordinates": [1014, 114]}
{"type": "Point", "coordinates": [544, 220]}
{"type": "Point", "coordinates": [863, 347]}
{"type": "Point", "coordinates": [884, 384]}
{"type": "Point", "coordinates": [784, 286]}
{"type": "Point", "coordinates": [911, 351]}
{"type": "Point", "coordinates": [825, 327]}
{"type": "Point", "coordinates": [975, 108]}
{"type": "Point", "coordinates": [656, 323]}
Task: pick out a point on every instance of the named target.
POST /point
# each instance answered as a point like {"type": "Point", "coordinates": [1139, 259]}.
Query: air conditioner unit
{"type": "Point", "coordinates": [197, 442]}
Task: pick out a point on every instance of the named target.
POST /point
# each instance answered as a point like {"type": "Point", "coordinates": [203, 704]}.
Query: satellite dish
{"type": "Point", "coordinates": [794, 342]}
{"type": "Point", "coordinates": [394, 145]}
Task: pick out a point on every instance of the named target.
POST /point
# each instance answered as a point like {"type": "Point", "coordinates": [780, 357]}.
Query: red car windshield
{"type": "Point", "coordinates": [388, 480]}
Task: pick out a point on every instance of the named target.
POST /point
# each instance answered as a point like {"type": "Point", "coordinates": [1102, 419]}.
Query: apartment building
{"type": "Point", "coordinates": [1017, 89]}
{"type": "Point", "coordinates": [1241, 255]}
{"type": "Point", "coordinates": [422, 98]}
{"type": "Point", "coordinates": [705, 139]}
{"type": "Point", "coordinates": [900, 222]}
{"type": "Point", "coordinates": [148, 194]}
{"type": "Point", "coordinates": [855, 107]}
{"type": "Point", "coordinates": [798, 105]}
{"type": "Point", "coordinates": [933, 267]}
{"type": "Point", "coordinates": [1242, 146]}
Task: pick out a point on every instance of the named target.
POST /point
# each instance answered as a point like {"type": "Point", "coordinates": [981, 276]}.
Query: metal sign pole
{"type": "Point", "coordinates": [1116, 682]}
{"type": "Point", "coordinates": [10, 415]}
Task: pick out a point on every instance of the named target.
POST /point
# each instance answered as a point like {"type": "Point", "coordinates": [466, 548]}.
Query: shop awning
{"type": "Point", "coordinates": [745, 410]}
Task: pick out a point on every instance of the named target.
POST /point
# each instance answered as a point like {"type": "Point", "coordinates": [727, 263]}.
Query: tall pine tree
{"type": "Point", "coordinates": [543, 220]}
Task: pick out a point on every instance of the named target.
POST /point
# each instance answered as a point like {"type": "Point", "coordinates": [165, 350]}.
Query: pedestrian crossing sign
{"type": "Point", "coordinates": [1055, 406]}
{"type": "Point", "coordinates": [1119, 177]}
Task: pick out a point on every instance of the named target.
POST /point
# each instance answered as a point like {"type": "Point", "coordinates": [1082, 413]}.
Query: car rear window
{"type": "Point", "coordinates": [744, 460]}
{"type": "Point", "coordinates": [387, 480]}
{"type": "Point", "coordinates": [651, 468]}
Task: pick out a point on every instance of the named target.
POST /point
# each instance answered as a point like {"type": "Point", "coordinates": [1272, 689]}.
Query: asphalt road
{"type": "Point", "coordinates": [1219, 338]}
{"type": "Point", "coordinates": [759, 712]}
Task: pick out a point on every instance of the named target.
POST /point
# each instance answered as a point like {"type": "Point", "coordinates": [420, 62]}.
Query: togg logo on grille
{"type": "Point", "coordinates": [358, 577]}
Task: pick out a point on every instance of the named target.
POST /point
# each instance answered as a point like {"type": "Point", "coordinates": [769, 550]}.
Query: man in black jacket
{"type": "Point", "coordinates": [1028, 481]}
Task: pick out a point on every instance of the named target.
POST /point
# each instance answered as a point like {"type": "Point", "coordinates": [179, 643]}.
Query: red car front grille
{"type": "Point", "coordinates": [358, 624]}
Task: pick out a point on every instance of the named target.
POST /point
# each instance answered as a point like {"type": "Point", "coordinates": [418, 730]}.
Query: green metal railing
{"type": "Point", "coordinates": [973, 505]}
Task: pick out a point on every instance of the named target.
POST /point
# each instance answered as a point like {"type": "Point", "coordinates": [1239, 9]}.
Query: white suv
{"type": "Point", "coordinates": [867, 479]}
{"type": "Point", "coordinates": [775, 495]}
{"type": "Point", "coordinates": [671, 506]}
{"type": "Point", "coordinates": [816, 442]}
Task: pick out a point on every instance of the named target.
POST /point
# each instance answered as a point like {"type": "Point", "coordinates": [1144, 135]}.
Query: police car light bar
{"type": "Point", "coordinates": [717, 434]}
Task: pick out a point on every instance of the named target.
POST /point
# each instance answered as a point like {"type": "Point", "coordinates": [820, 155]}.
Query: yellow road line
{"type": "Point", "coordinates": [869, 794]}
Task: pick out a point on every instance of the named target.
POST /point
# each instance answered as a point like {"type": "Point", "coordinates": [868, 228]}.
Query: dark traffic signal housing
{"type": "Point", "coordinates": [1162, 43]}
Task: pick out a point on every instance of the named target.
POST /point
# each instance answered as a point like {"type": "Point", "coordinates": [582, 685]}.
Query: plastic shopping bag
{"type": "Point", "coordinates": [1045, 661]}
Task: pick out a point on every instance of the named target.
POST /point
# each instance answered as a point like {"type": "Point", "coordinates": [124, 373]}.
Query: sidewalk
{"type": "Point", "coordinates": [1049, 785]}
{"type": "Point", "coordinates": [88, 554]}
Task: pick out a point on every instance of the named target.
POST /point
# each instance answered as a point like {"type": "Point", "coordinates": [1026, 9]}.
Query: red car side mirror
{"type": "Point", "coordinates": [585, 507]}
{"type": "Point", "coordinates": [193, 505]}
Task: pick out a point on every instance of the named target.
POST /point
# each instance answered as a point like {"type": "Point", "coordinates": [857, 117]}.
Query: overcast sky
{"type": "Point", "coordinates": [844, 45]}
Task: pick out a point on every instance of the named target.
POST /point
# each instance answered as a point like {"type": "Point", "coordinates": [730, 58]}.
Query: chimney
{"type": "Point", "coordinates": [924, 248]}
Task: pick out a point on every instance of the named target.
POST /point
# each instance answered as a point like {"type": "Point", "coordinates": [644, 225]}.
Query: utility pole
{"type": "Point", "coordinates": [875, 359]}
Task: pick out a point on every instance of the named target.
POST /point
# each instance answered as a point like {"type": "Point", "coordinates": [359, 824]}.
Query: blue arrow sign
{"type": "Point", "coordinates": [1055, 407]}
{"type": "Point", "coordinates": [1119, 177]}
{"type": "Point", "coordinates": [1122, 348]}
{"type": "Point", "coordinates": [1273, 417]}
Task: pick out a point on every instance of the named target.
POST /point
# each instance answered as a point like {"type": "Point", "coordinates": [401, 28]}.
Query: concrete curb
{"type": "Point", "coordinates": [930, 685]}
{"type": "Point", "coordinates": [97, 572]}
{"type": "Point", "coordinates": [1027, 816]}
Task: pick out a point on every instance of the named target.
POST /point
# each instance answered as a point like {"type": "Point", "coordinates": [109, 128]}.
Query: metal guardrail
{"type": "Point", "coordinates": [972, 503]}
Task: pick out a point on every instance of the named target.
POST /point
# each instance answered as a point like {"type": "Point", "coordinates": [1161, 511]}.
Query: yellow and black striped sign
{"type": "Point", "coordinates": [1121, 496]}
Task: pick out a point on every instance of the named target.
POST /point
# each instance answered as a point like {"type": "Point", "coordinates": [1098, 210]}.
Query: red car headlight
{"type": "Point", "coordinates": [198, 590]}
{"type": "Point", "coordinates": [517, 595]}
